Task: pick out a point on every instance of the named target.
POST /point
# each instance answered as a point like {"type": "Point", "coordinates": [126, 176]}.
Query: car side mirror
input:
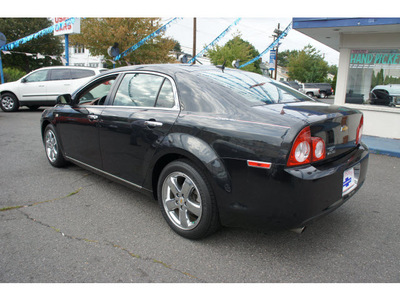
{"type": "Point", "coordinates": [23, 80]}
{"type": "Point", "coordinates": [64, 99]}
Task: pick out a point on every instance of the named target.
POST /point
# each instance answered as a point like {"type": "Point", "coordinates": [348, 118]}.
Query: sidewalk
{"type": "Point", "coordinates": [383, 146]}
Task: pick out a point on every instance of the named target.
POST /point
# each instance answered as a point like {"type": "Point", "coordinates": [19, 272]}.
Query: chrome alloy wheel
{"type": "Point", "coordinates": [181, 200]}
{"type": "Point", "coordinates": [51, 146]}
{"type": "Point", "coordinates": [7, 102]}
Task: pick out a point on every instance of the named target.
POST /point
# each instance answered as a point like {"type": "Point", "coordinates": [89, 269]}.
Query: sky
{"type": "Point", "coordinates": [259, 17]}
{"type": "Point", "coordinates": [257, 31]}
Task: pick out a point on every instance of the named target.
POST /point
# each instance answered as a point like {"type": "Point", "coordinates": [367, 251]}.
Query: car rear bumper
{"type": "Point", "coordinates": [289, 197]}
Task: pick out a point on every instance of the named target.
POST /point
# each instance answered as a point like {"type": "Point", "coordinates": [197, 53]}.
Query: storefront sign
{"type": "Point", "coordinates": [61, 27]}
{"type": "Point", "coordinates": [367, 59]}
{"type": "Point", "coordinates": [272, 58]}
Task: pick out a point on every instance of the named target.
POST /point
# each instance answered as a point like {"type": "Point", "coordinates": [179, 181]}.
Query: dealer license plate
{"type": "Point", "coordinates": [349, 181]}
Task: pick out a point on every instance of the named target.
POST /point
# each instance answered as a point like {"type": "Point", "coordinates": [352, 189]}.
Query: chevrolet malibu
{"type": "Point", "coordinates": [214, 146]}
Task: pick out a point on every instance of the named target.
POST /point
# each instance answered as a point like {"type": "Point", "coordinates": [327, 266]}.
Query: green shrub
{"type": "Point", "coordinates": [12, 74]}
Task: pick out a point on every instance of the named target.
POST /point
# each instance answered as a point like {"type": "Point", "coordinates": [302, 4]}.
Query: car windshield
{"type": "Point", "coordinates": [255, 88]}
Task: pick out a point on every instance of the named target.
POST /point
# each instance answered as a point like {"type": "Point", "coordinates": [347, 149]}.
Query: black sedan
{"type": "Point", "coordinates": [215, 146]}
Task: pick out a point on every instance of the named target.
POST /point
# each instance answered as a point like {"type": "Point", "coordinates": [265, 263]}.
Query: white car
{"type": "Point", "coordinates": [42, 86]}
{"type": "Point", "coordinates": [388, 94]}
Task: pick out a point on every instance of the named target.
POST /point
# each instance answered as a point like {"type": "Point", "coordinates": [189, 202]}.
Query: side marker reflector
{"type": "Point", "coordinates": [259, 164]}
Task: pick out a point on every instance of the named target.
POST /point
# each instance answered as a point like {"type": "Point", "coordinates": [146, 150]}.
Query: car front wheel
{"type": "Point", "coordinates": [186, 200]}
{"type": "Point", "coordinates": [52, 147]}
{"type": "Point", "coordinates": [9, 103]}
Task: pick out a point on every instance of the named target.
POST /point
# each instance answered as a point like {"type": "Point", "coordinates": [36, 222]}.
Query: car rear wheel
{"type": "Point", "coordinates": [9, 103]}
{"type": "Point", "coordinates": [186, 200]}
{"type": "Point", "coordinates": [310, 94]}
{"type": "Point", "coordinates": [52, 147]}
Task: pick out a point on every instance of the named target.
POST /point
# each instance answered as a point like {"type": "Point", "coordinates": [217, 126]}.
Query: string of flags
{"type": "Point", "coordinates": [216, 40]}
{"type": "Point", "coordinates": [10, 46]}
{"type": "Point", "coordinates": [150, 36]}
{"type": "Point", "coordinates": [274, 43]}
{"type": "Point", "coordinates": [34, 55]}
{"type": "Point", "coordinates": [48, 30]}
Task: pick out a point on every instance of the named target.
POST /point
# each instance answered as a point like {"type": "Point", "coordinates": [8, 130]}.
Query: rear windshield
{"type": "Point", "coordinates": [254, 87]}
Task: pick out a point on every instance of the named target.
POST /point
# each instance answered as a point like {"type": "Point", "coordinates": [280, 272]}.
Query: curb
{"type": "Point", "coordinates": [382, 146]}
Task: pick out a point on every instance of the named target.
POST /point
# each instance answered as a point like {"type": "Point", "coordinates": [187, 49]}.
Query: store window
{"type": "Point", "coordinates": [374, 77]}
{"type": "Point", "coordinates": [79, 49]}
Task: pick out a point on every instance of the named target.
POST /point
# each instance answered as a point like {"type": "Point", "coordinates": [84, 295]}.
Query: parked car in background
{"type": "Point", "coordinates": [310, 89]}
{"type": "Point", "coordinates": [42, 86]}
{"type": "Point", "coordinates": [292, 84]}
{"type": "Point", "coordinates": [388, 94]}
{"type": "Point", "coordinates": [325, 89]}
{"type": "Point", "coordinates": [214, 146]}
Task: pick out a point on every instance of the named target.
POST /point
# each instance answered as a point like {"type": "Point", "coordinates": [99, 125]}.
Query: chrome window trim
{"type": "Point", "coordinates": [171, 80]}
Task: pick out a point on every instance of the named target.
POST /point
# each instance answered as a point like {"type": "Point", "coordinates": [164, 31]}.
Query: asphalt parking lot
{"type": "Point", "coordinates": [70, 225]}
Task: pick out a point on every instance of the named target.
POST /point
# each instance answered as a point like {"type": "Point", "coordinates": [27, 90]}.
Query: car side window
{"type": "Point", "coordinates": [138, 90]}
{"type": "Point", "coordinates": [78, 73]}
{"type": "Point", "coordinates": [37, 76]}
{"type": "Point", "coordinates": [60, 74]}
{"type": "Point", "coordinates": [166, 95]}
{"type": "Point", "coordinates": [97, 93]}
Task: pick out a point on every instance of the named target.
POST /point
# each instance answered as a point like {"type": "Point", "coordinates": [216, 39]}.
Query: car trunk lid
{"type": "Point", "coordinates": [337, 126]}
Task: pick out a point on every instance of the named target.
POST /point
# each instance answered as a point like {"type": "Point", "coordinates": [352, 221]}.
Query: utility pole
{"type": "Point", "coordinates": [194, 38]}
{"type": "Point", "coordinates": [277, 33]}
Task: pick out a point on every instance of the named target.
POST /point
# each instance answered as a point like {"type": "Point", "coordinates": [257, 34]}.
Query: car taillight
{"type": "Point", "coordinates": [318, 146]}
{"type": "Point", "coordinates": [360, 130]}
{"type": "Point", "coordinates": [306, 149]}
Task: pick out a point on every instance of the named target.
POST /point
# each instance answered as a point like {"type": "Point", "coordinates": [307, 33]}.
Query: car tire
{"type": "Point", "coordinates": [186, 200]}
{"type": "Point", "coordinates": [323, 95]}
{"type": "Point", "coordinates": [52, 147]}
{"type": "Point", "coordinates": [310, 94]}
{"type": "Point", "coordinates": [9, 102]}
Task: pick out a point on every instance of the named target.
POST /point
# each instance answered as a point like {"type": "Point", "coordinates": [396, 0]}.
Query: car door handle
{"type": "Point", "coordinates": [153, 123]}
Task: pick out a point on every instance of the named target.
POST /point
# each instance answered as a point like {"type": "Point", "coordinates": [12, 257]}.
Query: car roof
{"type": "Point", "coordinates": [73, 67]}
{"type": "Point", "coordinates": [68, 67]}
{"type": "Point", "coordinates": [169, 69]}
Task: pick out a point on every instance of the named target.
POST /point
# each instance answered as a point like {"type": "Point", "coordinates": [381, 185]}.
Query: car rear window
{"type": "Point", "coordinates": [78, 73]}
{"type": "Point", "coordinates": [254, 87]}
{"type": "Point", "coordinates": [60, 74]}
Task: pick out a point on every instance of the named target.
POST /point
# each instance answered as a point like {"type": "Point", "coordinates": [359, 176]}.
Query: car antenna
{"type": "Point", "coordinates": [223, 66]}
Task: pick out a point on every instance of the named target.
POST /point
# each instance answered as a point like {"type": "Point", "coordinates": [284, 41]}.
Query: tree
{"type": "Point", "coordinates": [17, 28]}
{"type": "Point", "coordinates": [98, 34]}
{"type": "Point", "coordinates": [308, 65]}
{"type": "Point", "coordinates": [235, 49]}
{"type": "Point", "coordinates": [284, 56]}
{"type": "Point", "coordinates": [177, 49]}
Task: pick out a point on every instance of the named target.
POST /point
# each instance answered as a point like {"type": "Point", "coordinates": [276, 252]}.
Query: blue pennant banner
{"type": "Point", "coordinates": [283, 34]}
{"type": "Point", "coordinates": [36, 35]}
{"type": "Point", "coordinates": [216, 40]}
{"type": "Point", "coordinates": [150, 36]}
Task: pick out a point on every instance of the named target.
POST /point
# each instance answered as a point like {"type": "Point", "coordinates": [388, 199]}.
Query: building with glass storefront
{"type": "Point", "coordinates": [369, 67]}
